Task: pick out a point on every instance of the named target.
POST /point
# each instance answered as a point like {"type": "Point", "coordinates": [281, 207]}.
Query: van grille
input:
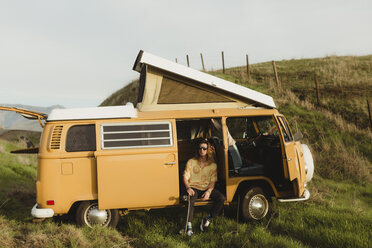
{"type": "Point", "coordinates": [55, 141]}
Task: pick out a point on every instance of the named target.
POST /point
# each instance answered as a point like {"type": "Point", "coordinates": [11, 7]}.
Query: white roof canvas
{"type": "Point", "coordinates": [145, 58]}
{"type": "Point", "coordinates": [127, 111]}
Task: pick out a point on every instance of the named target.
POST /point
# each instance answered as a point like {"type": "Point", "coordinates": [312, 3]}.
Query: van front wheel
{"type": "Point", "coordinates": [88, 214]}
{"type": "Point", "coordinates": [255, 204]}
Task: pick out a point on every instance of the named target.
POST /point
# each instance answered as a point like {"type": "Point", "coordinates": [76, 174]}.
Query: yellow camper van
{"type": "Point", "coordinates": [95, 162]}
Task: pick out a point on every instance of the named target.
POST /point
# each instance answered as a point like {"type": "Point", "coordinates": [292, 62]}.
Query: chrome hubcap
{"type": "Point", "coordinates": [258, 206]}
{"type": "Point", "coordinates": [94, 216]}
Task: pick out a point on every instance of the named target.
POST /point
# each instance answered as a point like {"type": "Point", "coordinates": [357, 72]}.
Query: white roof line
{"type": "Point", "coordinates": [126, 111]}
{"type": "Point", "coordinates": [207, 79]}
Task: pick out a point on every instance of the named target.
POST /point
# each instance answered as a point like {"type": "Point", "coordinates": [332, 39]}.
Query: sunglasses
{"type": "Point", "coordinates": [203, 148]}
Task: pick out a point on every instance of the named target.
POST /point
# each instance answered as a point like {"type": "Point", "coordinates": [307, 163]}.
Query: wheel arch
{"type": "Point", "coordinates": [266, 185]}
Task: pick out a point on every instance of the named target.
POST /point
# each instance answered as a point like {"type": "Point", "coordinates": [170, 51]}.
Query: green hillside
{"type": "Point", "coordinates": [338, 214]}
{"type": "Point", "coordinates": [126, 94]}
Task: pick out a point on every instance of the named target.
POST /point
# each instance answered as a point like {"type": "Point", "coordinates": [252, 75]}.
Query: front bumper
{"type": "Point", "coordinates": [42, 212]}
{"type": "Point", "coordinates": [305, 196]}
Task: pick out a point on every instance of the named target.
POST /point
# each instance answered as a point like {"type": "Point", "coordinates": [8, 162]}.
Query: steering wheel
{"type": "Point", "coordinates": [253, 140]}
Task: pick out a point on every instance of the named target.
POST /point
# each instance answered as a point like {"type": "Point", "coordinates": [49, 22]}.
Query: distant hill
{"type": "Point", "coordinates": [14, 121]}
{"type": "Point", "coordinates": [15, 136]}
{"type": "Point", "coordinates": [126, 94]}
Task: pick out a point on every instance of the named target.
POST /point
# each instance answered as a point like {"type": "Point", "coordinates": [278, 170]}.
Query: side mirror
{"type": "Point", "coordinates": [298, 136]}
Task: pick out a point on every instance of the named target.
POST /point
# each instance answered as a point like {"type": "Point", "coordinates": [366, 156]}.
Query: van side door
{"type": "Point", "coordinates": [290, 155]}
{"type": "Point", "coordinates": [137, 165]}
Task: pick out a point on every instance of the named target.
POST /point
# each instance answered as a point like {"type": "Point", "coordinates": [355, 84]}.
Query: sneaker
{"type": "Point", "coordinates": [204, 224]}
{"type": "Point", "coordinates": [189, 232]}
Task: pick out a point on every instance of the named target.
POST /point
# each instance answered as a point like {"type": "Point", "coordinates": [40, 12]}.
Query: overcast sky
{"type": "Point", "coordinates": [76, 53]}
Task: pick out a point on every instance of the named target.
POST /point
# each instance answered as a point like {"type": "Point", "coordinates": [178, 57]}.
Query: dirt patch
{"type": "Point", "coordinates": [2, 148]}
{"type": "Point", "coordinates": [25, 195]}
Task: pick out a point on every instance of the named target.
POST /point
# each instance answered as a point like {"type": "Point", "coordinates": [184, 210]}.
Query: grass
{"type": "Point", "coordinates": [338, 214]}
{"type": "Point", "coordinates": [327, 220]}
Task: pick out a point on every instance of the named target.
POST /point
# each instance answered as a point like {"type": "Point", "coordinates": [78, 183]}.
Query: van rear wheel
{"type": "Point", "coordinates": [88, 214]}
{"type": "Point", "coordinates": [255, 204]}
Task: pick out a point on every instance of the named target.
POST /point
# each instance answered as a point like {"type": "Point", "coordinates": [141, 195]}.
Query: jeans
{"type": "Point", "coordinates": [218, 200]}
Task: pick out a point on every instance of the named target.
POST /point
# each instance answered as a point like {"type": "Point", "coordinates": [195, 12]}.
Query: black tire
{"type": "Point", "coordinates": [254, 204]}
{"type": "Point", "coordinates": [87, 214]}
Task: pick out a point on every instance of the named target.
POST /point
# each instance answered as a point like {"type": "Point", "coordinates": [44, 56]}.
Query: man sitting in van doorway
{"type": "Point", "coordinates": [200, 177]}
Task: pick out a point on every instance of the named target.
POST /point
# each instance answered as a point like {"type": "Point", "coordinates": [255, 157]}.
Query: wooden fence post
{"type": "Point", "coordinates": [248, 72]}
{"type": "Point", "coordinates": [223, 63]}
{"type": "Point", "coordinates": [202, 61]}
{"type": "Point", "coordinates": [276, 75]}
{"type": "Point", "coordinates": [369, 112]}
{"type": "Point", "coordinates": [317, 90]}
{"type": "Point", "coordinates": [188, 62]}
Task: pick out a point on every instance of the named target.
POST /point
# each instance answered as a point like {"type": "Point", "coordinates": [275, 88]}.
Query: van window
{"type": "Point", "coordinates": [135, 135]}
{"type": "Point", "coordinates": [198, 128]}
{"type": "Point", "coordinates": [285, 130]}
{"type": "Point", "coordinates": [81, 138]}
{"type": "Point", "coordinates": [241, 127]}
{"type": "Point", "coordinates": [246, 127]}
{"type": "Point", "coordinates": [266, 126]}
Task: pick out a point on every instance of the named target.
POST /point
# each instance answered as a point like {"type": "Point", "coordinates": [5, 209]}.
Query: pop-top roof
{"type": "Point", "coordinates": [145, 58]}
{"type": "Point", "coordinates": [127, 111]}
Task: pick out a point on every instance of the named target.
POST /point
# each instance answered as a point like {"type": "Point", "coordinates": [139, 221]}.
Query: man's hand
{"type": "Point", "coordinates": [191, 192]}
{"type": "Point", "coordinates": [206, 195]}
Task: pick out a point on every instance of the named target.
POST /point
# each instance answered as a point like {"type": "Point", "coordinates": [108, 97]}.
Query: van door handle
{"type": "Point", "coordinates": [171, 163]}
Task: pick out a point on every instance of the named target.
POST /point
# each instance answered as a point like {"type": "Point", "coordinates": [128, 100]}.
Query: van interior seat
{"type": "Point", "coordinates": [238, 168]}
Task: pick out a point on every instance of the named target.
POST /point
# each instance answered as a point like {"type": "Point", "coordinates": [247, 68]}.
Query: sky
{"type": "Point", "coordinates": [76, 53]}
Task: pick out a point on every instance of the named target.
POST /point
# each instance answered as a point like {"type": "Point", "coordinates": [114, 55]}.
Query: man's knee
{"type": "Point", "coordinates": [218, 196]}
{"type": "Point", "coordinates": [222, 198]}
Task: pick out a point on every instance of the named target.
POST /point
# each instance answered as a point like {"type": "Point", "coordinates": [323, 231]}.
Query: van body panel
{"type": "Point", "coordinates": [128, 181]}
{"type": "Point", "coordinates": [301, 163]}
{"type": "Point", "coordinates": [66, 181]}
{"type": "Point", "coordinates": [232, 185]}
{"type": "Point", "coordinates": [138, 177]}
{"type": "Point", "coordinates": [64, 177]}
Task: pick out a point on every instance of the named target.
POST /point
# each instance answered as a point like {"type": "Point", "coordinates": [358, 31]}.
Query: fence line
{"type": "Point", "coordinates": [317, 90]}
{"type": "Point", "coordinates": [248, 72]}
{"type": "Point", "coordinates": [276, 75]}
{"type": "Point", "coordinates": [369, 112]}
{"type": "Point", "coordinates": [223, 63]}
{"type": "Point", "coordinates": [202, 61]}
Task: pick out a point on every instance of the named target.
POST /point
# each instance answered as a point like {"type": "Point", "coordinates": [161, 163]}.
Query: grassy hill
{"type": "Point", "coordinates": [338, 214]}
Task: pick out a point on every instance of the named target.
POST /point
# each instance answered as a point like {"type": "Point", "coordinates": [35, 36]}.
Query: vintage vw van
{"type": "Point", "coordinates": [98, 162]}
